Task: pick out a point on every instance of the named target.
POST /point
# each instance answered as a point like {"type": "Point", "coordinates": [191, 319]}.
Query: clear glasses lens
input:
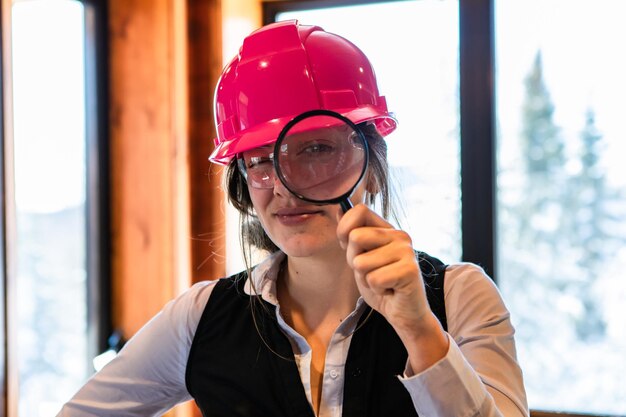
{"type": "Point", "coordinates": [257, 167]}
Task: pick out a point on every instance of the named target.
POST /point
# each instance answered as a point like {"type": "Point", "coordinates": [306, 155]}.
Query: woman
{"type": "Point", "coordinates": [343, 318]}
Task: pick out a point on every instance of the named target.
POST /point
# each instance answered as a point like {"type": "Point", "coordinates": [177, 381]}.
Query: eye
{"type": "Point", "coordinates": [256, 162]}
{"type": "Point", "coordinates": [316, 148]}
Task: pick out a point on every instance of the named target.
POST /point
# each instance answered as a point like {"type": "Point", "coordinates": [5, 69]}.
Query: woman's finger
{"type": "Point", "coordinates": [357, 217]}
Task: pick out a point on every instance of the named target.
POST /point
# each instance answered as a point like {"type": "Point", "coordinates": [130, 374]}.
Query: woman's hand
{"type": "Point", "coordinates": [388, 277]}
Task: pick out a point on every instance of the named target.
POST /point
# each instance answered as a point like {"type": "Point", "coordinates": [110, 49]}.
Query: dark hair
{"type": "Point", "coordinates": [377, 188]}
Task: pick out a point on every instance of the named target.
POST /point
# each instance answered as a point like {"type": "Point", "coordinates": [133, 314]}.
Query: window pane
{"type": "Point", "coordinates": [49, 135]}
{"type": "Point", "coordinates": [560, 89]}
{"type": "Point", "coordinates": [413, 46]}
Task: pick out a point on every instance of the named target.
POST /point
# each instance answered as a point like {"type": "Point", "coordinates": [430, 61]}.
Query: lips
{"type": "Point", "coordinates": [296, 215]}
{"type": "Point", "coordinates": [296, 211]}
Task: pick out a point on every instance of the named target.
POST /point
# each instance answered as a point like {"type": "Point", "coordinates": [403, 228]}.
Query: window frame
{"type": "Point", "coordinates": [99, 290]}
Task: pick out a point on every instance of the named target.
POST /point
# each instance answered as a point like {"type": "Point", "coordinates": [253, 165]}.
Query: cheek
{"type": "Point", "coordinates": [260, 199]}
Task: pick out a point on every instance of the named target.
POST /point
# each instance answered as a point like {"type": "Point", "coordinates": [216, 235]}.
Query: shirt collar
{"type": "Point", "coordinates": [262, 279]}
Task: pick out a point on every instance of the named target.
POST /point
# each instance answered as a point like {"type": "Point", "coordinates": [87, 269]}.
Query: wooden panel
{"type": "Point", "coordinates": [206, 196]}
{"type": "Point", "coordinates": [166, 205]}
{"type": "Point", "coordinates": [149, 160]}
{"type": "Point", "coordinates": [148, 143]}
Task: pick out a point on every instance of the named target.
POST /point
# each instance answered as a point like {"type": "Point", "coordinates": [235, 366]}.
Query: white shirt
{"type": "Point", "coordinates": [479, 376]}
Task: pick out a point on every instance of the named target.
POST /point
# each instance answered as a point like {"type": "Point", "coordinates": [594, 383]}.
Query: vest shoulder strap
{"type": "Point", "coordinates": [433, 273]}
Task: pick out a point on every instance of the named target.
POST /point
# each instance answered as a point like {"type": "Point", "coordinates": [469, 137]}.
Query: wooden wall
{"type": "Point", "coordinates": [148, 152]}
{"type": "Point", "coordinates": [164, 202]}
{"type": "Point", "coordinates": [167, 215]}
{"type": "Point", "coordinates": [162, 195]}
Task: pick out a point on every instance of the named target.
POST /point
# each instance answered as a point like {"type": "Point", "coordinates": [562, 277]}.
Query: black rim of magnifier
{"type": "Point", "coordinates": [344, 199]}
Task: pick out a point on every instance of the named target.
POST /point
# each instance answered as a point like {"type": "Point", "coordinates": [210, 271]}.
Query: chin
{"type": "Point", "coordinates": [303, 246]}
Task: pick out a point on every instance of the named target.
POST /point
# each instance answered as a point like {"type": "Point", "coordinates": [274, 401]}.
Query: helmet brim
{"type": "Point", "coordinates": [267, 133]}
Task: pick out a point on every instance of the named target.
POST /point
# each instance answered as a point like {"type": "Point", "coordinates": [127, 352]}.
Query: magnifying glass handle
{"type": "Point", "coordinates": [346, 204]}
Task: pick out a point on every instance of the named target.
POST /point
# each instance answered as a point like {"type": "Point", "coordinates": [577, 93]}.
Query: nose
{"type": "Point", "coordinates": [279, 187]}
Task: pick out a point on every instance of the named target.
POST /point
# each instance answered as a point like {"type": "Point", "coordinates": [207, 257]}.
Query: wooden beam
{"type": "Point", "coordinates": [206, 195]}
{"type": "Point", "coordinates": [148, 100]}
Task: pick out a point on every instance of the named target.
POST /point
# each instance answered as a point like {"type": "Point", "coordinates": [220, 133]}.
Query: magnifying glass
{"type": "Point", "coordinates": [321, 157]}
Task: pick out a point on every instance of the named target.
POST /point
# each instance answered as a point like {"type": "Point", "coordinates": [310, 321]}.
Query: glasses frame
{"type": "Point", "coordinates": [241, 166]}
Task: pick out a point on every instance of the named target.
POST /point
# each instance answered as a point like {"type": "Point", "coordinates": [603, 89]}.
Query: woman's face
{"type": "Point", "coordinates": [298, 228]}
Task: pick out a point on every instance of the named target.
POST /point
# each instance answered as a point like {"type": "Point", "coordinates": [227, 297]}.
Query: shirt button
{"type": "Point", "coordinates": [334, 374]}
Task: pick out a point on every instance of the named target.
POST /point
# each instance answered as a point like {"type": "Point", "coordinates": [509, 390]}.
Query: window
{"type": "Point", "coordinates": [546, 129]}
{"type": "Point", "coordinates": [561, 205]}
{"type": "Point", "coordinates": [58, 313]}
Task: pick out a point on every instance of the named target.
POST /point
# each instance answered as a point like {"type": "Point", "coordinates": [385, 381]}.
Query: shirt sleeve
{"type": "Point", "coordinates": [480, 375]}
{"type": "Point", "coordinates": [147, 377]}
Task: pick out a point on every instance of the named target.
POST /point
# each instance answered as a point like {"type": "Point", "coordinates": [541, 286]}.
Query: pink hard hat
{"type": "Point", "coordinates": [285, 69]}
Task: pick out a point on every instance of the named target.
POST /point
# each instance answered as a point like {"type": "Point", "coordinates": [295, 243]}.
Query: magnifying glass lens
{"type": "Point", "coordinates": [321, 158]}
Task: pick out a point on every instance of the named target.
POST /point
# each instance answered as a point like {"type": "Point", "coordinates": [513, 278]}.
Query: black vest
{"type": "Point", "coordinates": [234, 372]}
